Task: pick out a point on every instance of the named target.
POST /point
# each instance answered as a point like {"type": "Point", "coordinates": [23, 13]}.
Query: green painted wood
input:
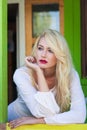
{"type": "Point", "coordinates": [68, 23]}
{"type": "Point", "coordinates": [72, 32]}
{"type": "Point", "coordinates": [3, 61]}
{"type": "Point", "coordinates": [76, 33]}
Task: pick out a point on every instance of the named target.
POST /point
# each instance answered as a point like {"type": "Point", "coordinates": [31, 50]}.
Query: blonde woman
{"type": "Point", "coordinates": [49, 89]}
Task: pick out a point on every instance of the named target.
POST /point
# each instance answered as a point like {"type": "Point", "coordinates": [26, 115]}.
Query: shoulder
{"type": "Point", "coordinates": [21, 73]}
{"type": "Point", "coordinates": [75, 82]}
{"type": "Point", "coordinates": [22, 69]}
{"type": "Point", "coordinates": [74, 74]}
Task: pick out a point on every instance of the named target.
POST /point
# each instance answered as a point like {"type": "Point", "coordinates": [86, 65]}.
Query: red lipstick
{"type": "Point", "coordinates": [43, 61]}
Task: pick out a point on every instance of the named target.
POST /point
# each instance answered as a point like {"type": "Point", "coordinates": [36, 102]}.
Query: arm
{"type": "Point", "coordinates": [40, 77]}
{"type": "Point", "coordinates": [44, 103]}
{"type": "Point", "coordinates": [25, 121]}
{"type": "Point", "coordinates": [41, 104]}
{"type": "Point", "coordinates": [77, 112]}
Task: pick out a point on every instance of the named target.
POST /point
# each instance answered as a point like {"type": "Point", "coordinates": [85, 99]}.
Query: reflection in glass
{"type": "Point", "coordinates": [44, 17]}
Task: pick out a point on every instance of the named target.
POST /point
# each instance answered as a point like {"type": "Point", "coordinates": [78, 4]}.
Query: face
{"type": "Point", "coordinates": [44, 55]}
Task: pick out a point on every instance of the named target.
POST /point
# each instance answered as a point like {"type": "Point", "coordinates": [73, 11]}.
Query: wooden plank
{"type": "Point", "coordinates": [51, 127]}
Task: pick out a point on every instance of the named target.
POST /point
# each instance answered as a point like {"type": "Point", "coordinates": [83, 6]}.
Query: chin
{"type": "Point", "coordinates": [43, 66]}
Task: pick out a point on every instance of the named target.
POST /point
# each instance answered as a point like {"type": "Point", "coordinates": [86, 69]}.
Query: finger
{"type": "Point", "coordinates": [14, 124]}
{"type": "Point", "coordinates": [34, 60]}
{"type": "Point", "coordinates": [31, 59]}
{"type": "Point", "coordinates": [28, 59]}
{"type": "Point", "coordinates": [11, 125]}
{"type": "Point", "coordinates": [18, 122]}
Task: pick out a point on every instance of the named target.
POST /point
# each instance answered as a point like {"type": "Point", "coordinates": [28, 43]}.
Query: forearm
{"type": "Point", "coordinates": [40, 121]}
{"type": "Point", "coordinates": [42, 84]}
{"type": "Point", "coordinates": [25, 121]}
{"type": "Point", "coordinates": [32, 120]}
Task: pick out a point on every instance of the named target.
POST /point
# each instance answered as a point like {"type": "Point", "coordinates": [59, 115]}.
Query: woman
{"type": "Point", "coordinates": [49, 89]}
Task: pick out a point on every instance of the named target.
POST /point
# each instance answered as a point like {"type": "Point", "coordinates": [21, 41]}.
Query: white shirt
{"type": "Point", "coordinates": [43, 104]}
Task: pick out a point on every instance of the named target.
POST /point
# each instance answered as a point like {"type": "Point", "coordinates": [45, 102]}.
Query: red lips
{"type": "Point", "coordinates": [43, 61]}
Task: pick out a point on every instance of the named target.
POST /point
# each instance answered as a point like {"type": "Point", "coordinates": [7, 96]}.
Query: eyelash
{"type": "Point", "coordinates": [50, 51]}
{"type": "Point", "coordinates": [40, 48]}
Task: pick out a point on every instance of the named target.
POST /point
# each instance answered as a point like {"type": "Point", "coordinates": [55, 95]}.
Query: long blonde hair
{"type": "Point", "coordinates": [64, 65]}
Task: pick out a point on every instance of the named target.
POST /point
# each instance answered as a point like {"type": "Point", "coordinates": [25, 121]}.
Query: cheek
{"type": "Point", "coordinates": [53, 60]}
{"type": "Point", "coordinates": [37, 53]}
{"type": "Point", "coordinates": [37, 56]}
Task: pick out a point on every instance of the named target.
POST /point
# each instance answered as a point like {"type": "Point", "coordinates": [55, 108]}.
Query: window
{"type": "Point", "coordinates": [45, 16]}
{"type": "Point", "coordinates": [40, 15]}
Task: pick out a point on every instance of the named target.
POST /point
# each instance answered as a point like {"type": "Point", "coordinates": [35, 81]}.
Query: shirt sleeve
{"type": "Point", "coordinates": [41, 104]}
{"type": "Point", "coordinates": [47, 104]}
{"type": "Point", "coordinates": [77, 112]}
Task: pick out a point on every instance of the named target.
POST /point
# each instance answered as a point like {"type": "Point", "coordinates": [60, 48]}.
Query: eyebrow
{"type": "Point", "coordinates": [43, 46]}
{"type": "Point", "coordinates": [40, 45]}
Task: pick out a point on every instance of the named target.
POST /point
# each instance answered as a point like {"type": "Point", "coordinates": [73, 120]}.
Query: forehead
{"type": "Point", "coordinates": [43, 42]}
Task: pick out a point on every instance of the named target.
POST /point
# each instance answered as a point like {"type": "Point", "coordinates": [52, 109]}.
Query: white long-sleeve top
{"type": "Point", "coordinates": [43, 104]}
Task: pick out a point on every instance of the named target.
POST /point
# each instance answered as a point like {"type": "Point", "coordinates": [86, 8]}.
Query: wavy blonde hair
{"type": "Point", "coordinates": [64, 65]}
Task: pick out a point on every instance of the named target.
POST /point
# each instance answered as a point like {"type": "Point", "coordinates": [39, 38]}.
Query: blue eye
{"type": "Point", "coordinates": [50, 51]}
{"type": "Point", "coordinates": [40, 48]}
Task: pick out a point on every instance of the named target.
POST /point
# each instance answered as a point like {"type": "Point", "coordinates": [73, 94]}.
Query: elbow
{"type": "Point", "coordinates": [82, 120]}
{"type": "Point", "coordinates": [81, 117]}
{"type": "Point", "coordinates": [15, 75]}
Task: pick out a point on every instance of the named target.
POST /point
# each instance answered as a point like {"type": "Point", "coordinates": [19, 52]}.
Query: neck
{"type": "Point", "coordinates": [49, 72]}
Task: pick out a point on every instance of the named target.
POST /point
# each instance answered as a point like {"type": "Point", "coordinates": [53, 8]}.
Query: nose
{"type": "Point", "coordinates": [44, 53]}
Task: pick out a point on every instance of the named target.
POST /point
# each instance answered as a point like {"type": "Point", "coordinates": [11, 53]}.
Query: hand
{"type": "Point", "coordinates": [31, 63]}
{"type": "Point", "coordinates": [24, 121]}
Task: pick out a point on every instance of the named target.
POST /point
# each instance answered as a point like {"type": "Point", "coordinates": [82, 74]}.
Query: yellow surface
{"type": "Point", "coordinates": [51, 127]}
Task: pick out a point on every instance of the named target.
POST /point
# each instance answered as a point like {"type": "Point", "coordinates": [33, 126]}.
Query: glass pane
{"type": "Point", "coordinates": [44, 17]}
